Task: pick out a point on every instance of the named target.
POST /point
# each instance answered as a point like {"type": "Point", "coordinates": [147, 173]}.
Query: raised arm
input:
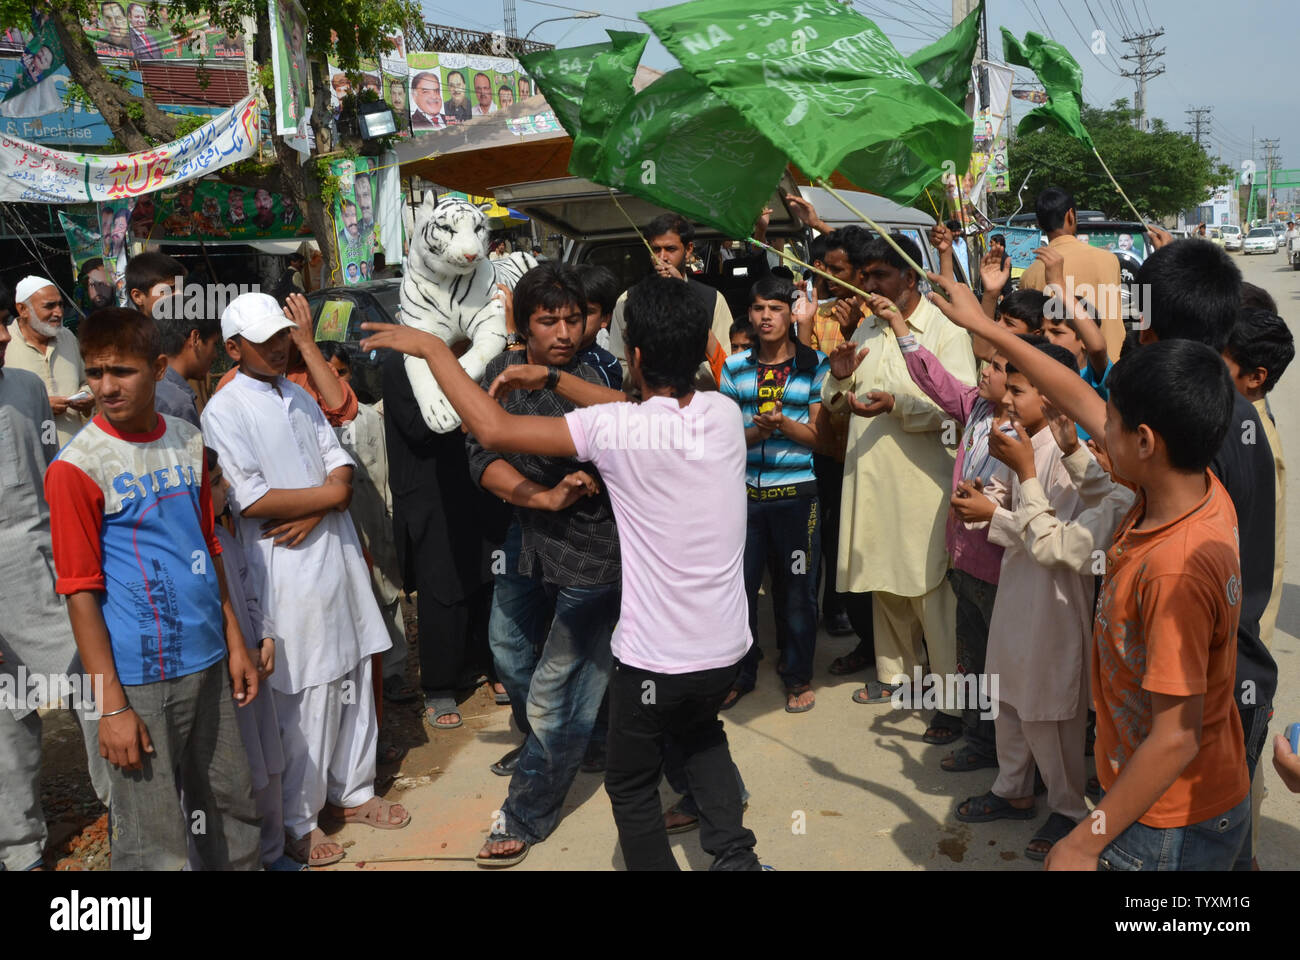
{"type": "Point", "coordinates": [1066, 389]}
{"type": "Point", "coordinates": [481, 415]}
{"type": "Point", "coordinates": [532, 376]}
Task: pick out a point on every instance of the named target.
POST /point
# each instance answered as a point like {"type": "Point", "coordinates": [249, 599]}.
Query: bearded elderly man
{"type": "Point", "coordinates": [43, 346]}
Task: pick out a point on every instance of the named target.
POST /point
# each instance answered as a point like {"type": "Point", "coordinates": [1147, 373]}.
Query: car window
{"type": "Point", "coordinates": [1261, 232]}
{"type": "Point", "coordinates": [371, 309]}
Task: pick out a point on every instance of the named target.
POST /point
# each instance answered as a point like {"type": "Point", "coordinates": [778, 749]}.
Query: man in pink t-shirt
{"type": "Point", "coordinates": [674, 465]}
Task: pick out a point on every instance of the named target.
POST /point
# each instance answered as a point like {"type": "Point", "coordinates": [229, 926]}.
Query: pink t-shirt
{"type": "Point", "coordinates": [676, 479]}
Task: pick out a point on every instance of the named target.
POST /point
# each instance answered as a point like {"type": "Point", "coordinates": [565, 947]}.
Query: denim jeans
{"type": "Point", "coordinates": [675, 774]}
{"type": "Point", "coordinates": [1212, 844]}
{"type": "Point", "coordinates": [197, 747]}
{"type": "Point", "coordinates": [645, 708]}
{"type": "Point", "coordinates": [784, 535]}
{"type": "Point", "coordinates": [521, 612]}
{"type": "Point", "coordinates": [974, 612]}
{"type": "Point", "coordinates": [564, 696]}
{"type": "Point", "coordinates": [830, 486]}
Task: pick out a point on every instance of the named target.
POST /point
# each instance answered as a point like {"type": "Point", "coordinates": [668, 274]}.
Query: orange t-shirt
{"type": "Point", "coordinates": [1167, 624]}
{"type": "Point", "coordinates": [337, 416]}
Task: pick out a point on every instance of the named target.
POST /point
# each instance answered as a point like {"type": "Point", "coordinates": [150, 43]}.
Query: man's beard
{"type": "Point", "coordinates": [44, 329]}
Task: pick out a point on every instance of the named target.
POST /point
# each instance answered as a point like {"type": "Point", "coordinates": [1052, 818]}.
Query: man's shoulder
{"type": "Point", "coordinates": [24, 381]}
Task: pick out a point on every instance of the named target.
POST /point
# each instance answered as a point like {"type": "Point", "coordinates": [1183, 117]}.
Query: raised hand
{"type": "Point", "coordinates": [995, 272]}
{"type": "Point", "coordinates": [846, 358]}
{"type": "Point", "coordinates": [941, 238]}
{"type": "Point", "coordinates": [887, 310]}
{"type": "Point", "coordinates": [1016, 451]}
{"type": "Point", "coordinates": [961, 307]}
{"type": "Point", "coordinates": [1053, 267]}
{"type": "Point", "coordinates": [1063, 429]}
{"type": "Point", "coordinates": [804, 310]}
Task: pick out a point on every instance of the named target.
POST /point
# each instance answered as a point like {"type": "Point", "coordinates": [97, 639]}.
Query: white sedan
{"type": "Point", "coordinates": [1232, 237]}
{"type": "Point", "coordinates": [1260, 240]}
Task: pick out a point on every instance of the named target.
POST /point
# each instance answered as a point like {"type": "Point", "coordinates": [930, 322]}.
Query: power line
{"type": "Point", "coordinates": [1081, 37]}
{"type": "Point", "coordinates": [1200, 122]}
{"type": "Point", "coordinates": [1109, 51]}
{"type": "Point", "coordinates": [1145, 57]}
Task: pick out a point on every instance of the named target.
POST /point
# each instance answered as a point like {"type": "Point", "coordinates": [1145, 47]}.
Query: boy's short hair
{"type": "Point", "coordinates": [667, 223]}
{"type": "Point", "coordinates": [1181, 389]}
{"type": "Point", "coordinates": [126, 332]}
{"type": "Point", "coordinates": [1261, 338]}
{"type": "Point", "coordinates": [210, 458]}
{"type": "Point", "coordinates": [144, 270]}
{"type": "Point", "coordinates": [549, 286]}
{"type": "Point", "coordinates": [600, 285]}
{"type": "Point", "coordinates": [880, 251]}
{"type": "Point", "coordinates": [999, 238]}
{"type": "Point", "coordinates": [1256, 296]}
{"type": "Point", "coordinates": [741, 326]}
{"type": "Point", "coordinates": [854, 241]}
{"type": "Point", "coordinates": [174, 332]}
{"type": "Point", "coordinates": [772, 287]}
{"type": "Point", "coordinates": [1051, 207]}
{"type": "Point", "coordinates": [1056, 352]}
{"type": "Point", "coordinates": [670, 327]}
{"type": "Point", "coordinates": [329, 349]}
{"type": "Point", "coordinates": [1027, 306]}
{"type": "Point", "coordinates": [1192, 292]}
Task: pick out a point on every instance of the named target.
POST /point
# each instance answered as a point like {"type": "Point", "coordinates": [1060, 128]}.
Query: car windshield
{"type": "Point", "coordinates": [1232, 230]}
{"type": "Point", "coordinates": [1261, 232]}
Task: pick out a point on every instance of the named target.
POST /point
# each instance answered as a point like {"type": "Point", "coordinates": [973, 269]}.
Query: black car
{"type": "Point", "coordinates": [374, 301]}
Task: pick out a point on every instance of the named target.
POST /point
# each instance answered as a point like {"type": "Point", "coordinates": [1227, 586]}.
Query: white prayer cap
{"type": "Point", "coordinates": [28, 286]}
{"type": "Point", "coordinates": [254, 316]}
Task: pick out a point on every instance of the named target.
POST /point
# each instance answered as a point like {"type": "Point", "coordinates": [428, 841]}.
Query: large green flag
{"type": "Point", "coordinates": [561, 76]}
{"type": "Point", "coordinates": [946, 63]}
{"type": "Point", "coordinates": [820, 81]}
{"type": "Point", "coordinates": [1059, 74]}
{"type": "Point", "coordinates": [680, 146]}
{"type": "Point", "coordinates": [607, 89]}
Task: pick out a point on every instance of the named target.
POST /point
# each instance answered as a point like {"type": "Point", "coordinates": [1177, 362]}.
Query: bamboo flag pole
{"type": "Point", "coordinates": [613, 196]}
{"type": "Point", "coordinates": [875, 226]}
{"type": "Point", "coordinates": [1141, 219]}
{"type": "Point", "coordinates": [808, 266]}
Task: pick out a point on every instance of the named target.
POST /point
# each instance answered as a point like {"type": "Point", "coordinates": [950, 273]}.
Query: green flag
{"type": "Point", "coordinates": [561, 75]}
{"type": "Point", "coordinates": [946, 63]}
{"type": "Point", "coordinates": [680, 146]}
{"type": "Point", "coordinates": [818, 80]}
{"type": "Point", "coordinates": [1059, 74]}
{"type": "Point", "coordinates": [607, 89]}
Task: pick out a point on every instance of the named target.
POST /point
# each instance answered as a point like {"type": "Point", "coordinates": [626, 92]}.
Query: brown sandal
{"type": "Point", "coordinates": [373, 813]}
{"type": "Point", "coordinates": [302, 848]}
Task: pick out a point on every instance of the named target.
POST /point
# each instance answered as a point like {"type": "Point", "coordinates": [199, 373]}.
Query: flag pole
{"type": "Point", "coordinates": [613, 196]}
{"type": "Point", "coordinates": [937, 214]}
{"type": "Point", "coordinates": [825, 185]}
{"type": "Point", "coordinates": [1141, 219]}
{"type": "Point", "coordinates": [808, 266]}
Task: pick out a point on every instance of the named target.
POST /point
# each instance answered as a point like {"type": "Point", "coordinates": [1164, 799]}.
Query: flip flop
{"type": "Point", "coordinates": [505, 767]}
{"type": "Point", "coordinates": [300, 848]}
{"type": "Point", "coordinates": [948, 732]}
{"type": "Point", "coordinates": [990, 807]}
{"type": "Point", "coordinates": [441, 707]}
{"type": "Point", "coordinates": [1057, 827]}
{"type": "Point", "coordinates": [875, 692]}
{"type": "Point", "coordinates": [740, 693]}
{"type": "Point", "coordinates": [373, 813]}
{"type": "Point", "coordinates": [795, 692]}
{"type": "Point", "coordinates": [965, 760]}
{"type": "Point", "coordinates": [496, 861]}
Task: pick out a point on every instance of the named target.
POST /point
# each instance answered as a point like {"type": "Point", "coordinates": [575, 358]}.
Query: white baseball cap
{"type": "Point", "coordinates": [254, 316]}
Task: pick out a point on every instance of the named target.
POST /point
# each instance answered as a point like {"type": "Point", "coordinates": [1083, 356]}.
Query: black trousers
{"type": "Point", "coordinates": [454, 640]}
{"type": "Point", "coordinates": [830, 485]}
{"type": "Point", "coordinates": [645, 707]}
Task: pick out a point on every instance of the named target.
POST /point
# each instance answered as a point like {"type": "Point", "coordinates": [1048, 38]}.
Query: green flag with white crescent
{"type": "Point", "coordinates": [1060, 75]}
{"type": "Point", "coordinates": [821, 82]}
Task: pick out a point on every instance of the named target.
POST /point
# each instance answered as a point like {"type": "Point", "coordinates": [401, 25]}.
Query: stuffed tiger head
{"type": "Point", "coordinates": [453, 236]}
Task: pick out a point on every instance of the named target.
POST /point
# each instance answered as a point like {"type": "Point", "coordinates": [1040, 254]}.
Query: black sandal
{"type": "Point", "coordinates": [991, 807]}
{"type": "Point", "coordinates": [965, 760]}
{"type": "Point", "coordinates": [1057, 828]}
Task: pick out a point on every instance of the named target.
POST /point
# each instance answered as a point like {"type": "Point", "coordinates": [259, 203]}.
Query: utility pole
{"type": "Point", "coordinates": [1144, 56]}
{"type": "Point", "coordinates": [512, 25]}
{"type": "Point", "coordinates": [1200, 122]}
{"type": "Point", "coordinates": [1271, 162]}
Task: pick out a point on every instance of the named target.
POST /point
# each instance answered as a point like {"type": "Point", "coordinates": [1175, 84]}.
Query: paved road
{"type": "Point", "coordinates": [858, 780]}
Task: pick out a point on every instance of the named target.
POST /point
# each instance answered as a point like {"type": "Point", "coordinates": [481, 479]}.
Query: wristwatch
{"type": "Point", "coordinates": [552, 377]}
{"type": "Point", "coordinates": [515, 340]}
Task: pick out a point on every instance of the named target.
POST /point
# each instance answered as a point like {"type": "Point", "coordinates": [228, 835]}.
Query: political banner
{"type": "Point", "coordinates": [37, 174]}
{"type": "Point", "coordinates": [354, 218]}
{"type": "Point", "coordinates": [289, 61]}
{"type": "Point", "coordinates": [125, 30]}
{"type": "Point", "coordinates": [42, 115]}
{"type": "Point", "coordinates": [212, 211]}
{"type": "Point", "coordinates": [41, 56]}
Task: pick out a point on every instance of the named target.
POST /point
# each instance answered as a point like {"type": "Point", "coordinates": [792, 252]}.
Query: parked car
{"type": "Point", "coordinates": [1293, 251]}
{"type": "Point", "coordinates": [1232, 236]}
{"type": "Point", "coordinates": [1260, 240]}
{"type": "Point", "coordinates": [374, 301]}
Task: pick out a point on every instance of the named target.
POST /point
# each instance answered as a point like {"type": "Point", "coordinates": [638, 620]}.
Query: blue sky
{"type": "Point", "coordinates": [1212, 57]}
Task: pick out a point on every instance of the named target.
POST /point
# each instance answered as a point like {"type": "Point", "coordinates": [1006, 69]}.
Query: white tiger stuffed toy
{"type": "Point", "coordinates": [449, 290]}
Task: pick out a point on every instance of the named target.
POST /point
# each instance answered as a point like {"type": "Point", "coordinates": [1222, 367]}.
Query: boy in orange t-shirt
{"type": "Point", "coordinates": [1170, 753]}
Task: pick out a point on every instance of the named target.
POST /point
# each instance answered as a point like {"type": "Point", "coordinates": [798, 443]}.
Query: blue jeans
{"type": "Point", "coordinates": [1213, 844]}
{"type": "Point", "coordinates": [568, 684]}
{"type": "Point", "coordinates": [784, 535]}
{"type": "Point", "coordinates": [521, 612]}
